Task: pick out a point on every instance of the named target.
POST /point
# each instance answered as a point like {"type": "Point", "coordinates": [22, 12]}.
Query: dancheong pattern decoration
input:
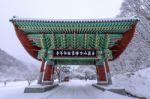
{"type": "Point", "coordinates": [44, 38]}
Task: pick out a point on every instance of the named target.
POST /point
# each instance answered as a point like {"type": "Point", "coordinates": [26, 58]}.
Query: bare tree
{"type": "Point", "coordinates": [62, 71]}
{"type": "Point", "coordinates": [30, 77]}
{"type": "Point", "coordinates": [5, 82]}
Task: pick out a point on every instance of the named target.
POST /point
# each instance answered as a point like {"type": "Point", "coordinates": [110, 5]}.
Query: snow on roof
{"type": "Point", "coordinates": [74, 20]}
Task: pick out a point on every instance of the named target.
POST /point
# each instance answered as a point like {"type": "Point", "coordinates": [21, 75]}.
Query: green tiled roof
{"type": "Point", "coordinates": [100, 34]}
{"type": "Point", "coordinates": [78, 26]}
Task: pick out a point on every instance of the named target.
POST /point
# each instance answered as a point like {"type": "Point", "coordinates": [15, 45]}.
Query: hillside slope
{"type": "Point", "coordinates": [11, 68]}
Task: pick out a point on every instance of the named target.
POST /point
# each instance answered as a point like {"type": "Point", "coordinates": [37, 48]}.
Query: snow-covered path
{"type": "Point", "coordinates": [75, 89]}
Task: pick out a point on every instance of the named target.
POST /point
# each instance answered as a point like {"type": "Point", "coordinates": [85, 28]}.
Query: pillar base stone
{"type": "Point", "coordinates": [47, 83]}
{"type": "Point", "coordinates": [39, 88]}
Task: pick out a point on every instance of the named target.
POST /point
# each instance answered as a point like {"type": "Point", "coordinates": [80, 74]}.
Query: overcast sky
{"type": "Point", "coordinates": [67, 9]}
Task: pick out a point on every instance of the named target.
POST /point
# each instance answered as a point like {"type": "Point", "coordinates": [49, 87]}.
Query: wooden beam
{"type": "Point", "coordinates": [26, 43]}
{"type": "Point", "coordinates": [107, 40]}
{"type": "Point", "coordinates": [53, 40]}
{"type": "Point", "coordinates": [85, 40]}
{"type": "Point", "coordinates": [122, 44]}
{"type": "Point", "coordinates": [74, 39]}
{"type": "Point", "coordinates": [42, 41]}
{"type": "Point", "coordinates": [96, 41]}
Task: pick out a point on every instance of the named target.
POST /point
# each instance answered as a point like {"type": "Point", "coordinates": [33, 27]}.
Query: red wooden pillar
{"type": "Point", "coordinates": [41, 72]}
{"type": "Point", "coordinates": [48, 76]}
{"type": "Point", "coordinates": [103, 74]}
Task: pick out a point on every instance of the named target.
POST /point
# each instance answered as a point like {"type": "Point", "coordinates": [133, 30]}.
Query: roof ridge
{"type": "Point", "coordinates": [74, 20]}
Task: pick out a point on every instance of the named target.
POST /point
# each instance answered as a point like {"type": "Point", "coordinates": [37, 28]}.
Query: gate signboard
{"type": "Point", "coordinates": [81, 53]}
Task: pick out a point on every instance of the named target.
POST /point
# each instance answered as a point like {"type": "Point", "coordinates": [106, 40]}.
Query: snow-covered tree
{"type": "Point", "coordinates": [84, 72]}
{"type": "Point", "coordinates": [137, 54]}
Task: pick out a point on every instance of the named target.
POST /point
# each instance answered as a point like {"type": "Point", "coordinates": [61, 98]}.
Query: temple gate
{"type": "Point", "coordinates": [74, 42]}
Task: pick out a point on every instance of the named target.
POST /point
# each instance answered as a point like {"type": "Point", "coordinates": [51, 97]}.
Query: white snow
{"type": "Point", "coordinates": [75, 89]}
{"type": "Point", "coordinates": [137, 83]}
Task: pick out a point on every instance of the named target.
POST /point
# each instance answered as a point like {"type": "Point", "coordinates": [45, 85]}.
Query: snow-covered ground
{"type": "Point", "coordinates": [137, 83]}
{"type": "Point", "coordinates": [75, 89]}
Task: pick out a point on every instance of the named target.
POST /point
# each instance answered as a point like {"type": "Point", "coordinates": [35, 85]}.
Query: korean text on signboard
{"type": "Point", "coordinates": [74, 53]}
